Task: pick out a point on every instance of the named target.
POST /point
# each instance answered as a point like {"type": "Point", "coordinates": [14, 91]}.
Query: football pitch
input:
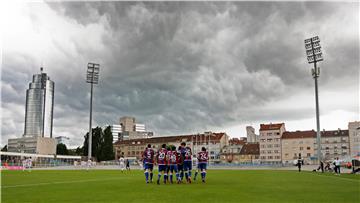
{"type": "Point", "coordinates": [221, 186]}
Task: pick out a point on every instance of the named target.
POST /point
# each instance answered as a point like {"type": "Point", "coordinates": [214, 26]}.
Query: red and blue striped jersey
{"type": "Point", "coordinates": [173, 158]}
{"type": "Point", "coordinates": [188, 154]}
{"type": "Point", "coordinates": [203, 157]}
{"type": "Point", "coordinates": [148, 155]}
{"type": "Point", "coordinates": [161, 156]}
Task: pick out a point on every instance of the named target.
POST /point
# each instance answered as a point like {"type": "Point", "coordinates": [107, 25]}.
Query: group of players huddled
{"type": "Point", "coordinates": [172, 161]}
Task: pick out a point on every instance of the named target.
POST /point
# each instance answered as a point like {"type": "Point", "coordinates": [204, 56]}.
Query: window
{"type": "Point", "coordinates": [269, 145]}
{"type": "Point", "coordinates": [269, 140]}
{"type": "Point", "coordinates": [270, 157]}
{"type": "Point", "coordinates": [308, 148]}
{"type": "Point", "coordinates": [269, 134]}
{"type": "Point", "coordinates": [276, 151]}
{"type": "Point", "coordinates": [301, 148]}
{"type": "Point", "coordinates": [277, 157]}
{"type": "Point", "coordinates": [308, 154]}
{"type": "Point", "coordinates": [301, 142]}
{"type": "Point", "coordinates": [277, 133]}
{"type": "Point", "coordinates": [269, 151]}
{"type": "Point", "coordinates": [286, 154]}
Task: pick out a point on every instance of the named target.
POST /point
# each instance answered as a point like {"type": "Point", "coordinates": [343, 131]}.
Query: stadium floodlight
{"type": "Point", "coordinates": [92, 77]}
{"type": "Point", "coordinates": [314, 55]}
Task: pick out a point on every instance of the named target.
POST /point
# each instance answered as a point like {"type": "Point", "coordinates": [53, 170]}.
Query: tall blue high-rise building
{"type": "Point", "coordinates": [39, 106]}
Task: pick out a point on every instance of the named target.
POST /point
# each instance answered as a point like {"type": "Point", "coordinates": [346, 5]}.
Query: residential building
{"type": "Point", "coordinates": [270, 142]}
{"type": "Point", "coordinates": [250, 134]}
{"type": "Point", "coordinates": [250, 153]}
{"type": "Point", "coordinates": [298, 142]}
{"type": "Point", "coordinates": [214, 142]}
{"type": "Point", "coordinates": [231, 153]}
{"type": "Point", "coordinates": [354, 138]}
{"type": "Point", "coordinates": [334, 143]}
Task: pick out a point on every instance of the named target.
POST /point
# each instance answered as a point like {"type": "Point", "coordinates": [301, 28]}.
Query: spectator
{"type": "Point", "coordinates": [337, 163]}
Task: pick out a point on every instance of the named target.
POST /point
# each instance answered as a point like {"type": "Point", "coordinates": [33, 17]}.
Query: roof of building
{"type": "Point", "coordinates": [299, 134]}
{"type": "Point", "coordinates": [250, 148]}
{"type": "Point", "coordinates": [312, 134]}
{"type": "Point", "coordinates": [271, 126]}
{"type": "Point", "coordinates": [237, 141]}
{"type": "Point", "coordinates": [214, 137]}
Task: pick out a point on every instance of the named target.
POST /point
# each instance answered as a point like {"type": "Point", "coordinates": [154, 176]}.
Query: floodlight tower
{"type": "Point", "coordinates": [92, 77]}
{"type": "Point", "coordinates": [314, 55]}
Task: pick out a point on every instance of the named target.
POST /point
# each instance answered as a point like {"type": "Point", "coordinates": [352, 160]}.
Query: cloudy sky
{"type": "Point", "coordinates": [181, 67]}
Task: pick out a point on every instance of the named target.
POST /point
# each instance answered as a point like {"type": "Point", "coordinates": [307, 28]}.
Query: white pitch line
{"type": "Point", "coordinates": [60, 182]}
{"type": "Point", "coordinates": [338, 178]}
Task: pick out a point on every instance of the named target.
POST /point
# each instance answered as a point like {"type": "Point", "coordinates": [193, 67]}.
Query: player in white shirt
{"type": "Point", "coordinates": [122, 163]}
{"type": "Point", "coordinates": [27, 164]}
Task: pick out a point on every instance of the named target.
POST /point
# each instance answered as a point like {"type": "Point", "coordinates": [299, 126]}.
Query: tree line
{"type": "Point", "coordinates": [102, 145]}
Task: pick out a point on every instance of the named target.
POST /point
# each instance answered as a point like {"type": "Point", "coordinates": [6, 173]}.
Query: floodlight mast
{"type": "Point", "coordinates": [314, 55]}
{"type": "Point", "coordinates": [92, 77]}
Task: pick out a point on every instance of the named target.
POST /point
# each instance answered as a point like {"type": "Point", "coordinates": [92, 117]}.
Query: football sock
{"type": "Point", "coordinates": [187, 175]}
{"type": "Point", "coordinates": [151, 176]}
{"type": "Point", "coordinates": [147, 176]}
{"type": "Point", "coordinates": [196, 173]}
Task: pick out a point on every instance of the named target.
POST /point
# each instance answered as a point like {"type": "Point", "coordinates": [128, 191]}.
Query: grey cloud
{"type": "Point", "coordinates": [184, 66]}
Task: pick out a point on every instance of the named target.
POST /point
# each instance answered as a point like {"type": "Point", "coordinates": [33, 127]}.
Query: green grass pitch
{"type": "Point", "coordinates": [221, 186]}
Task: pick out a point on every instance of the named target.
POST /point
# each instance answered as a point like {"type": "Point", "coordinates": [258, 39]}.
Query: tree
{"type": "Point", "coordinates": [96, 143]}
{"type": "Point", "coordinates": [61, 149]}
{"type": "Point", "coordinates": [107, 149]}
{"type": "Point", "coordinates": [102, 146]}
{"type": "Point", "coordinates": [4, 149]}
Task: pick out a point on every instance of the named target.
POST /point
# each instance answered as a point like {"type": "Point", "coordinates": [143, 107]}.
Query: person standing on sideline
{"type": "Point", "coordinates": [299, 162]}
{"type": "Point", "coordinates": [127, 164]}
{"type": "Point", "coordinates": [337, 163]}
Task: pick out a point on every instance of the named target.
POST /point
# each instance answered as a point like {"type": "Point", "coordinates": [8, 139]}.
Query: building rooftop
{"type": "Point", "coordinates": [271, 126]}
{"type": "Point", "coordinates": [237, 141]}
{"type": "Point", "coordinates": [250, 149]}
{"type": "Point", "coordinates": [214, 137]}
{"type": "Point", "coordinates": [312, 134]}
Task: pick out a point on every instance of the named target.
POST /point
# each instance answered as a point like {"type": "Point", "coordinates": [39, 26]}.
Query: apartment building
{"type": "Point", "coordinates": [354, 138]}
{"type": "Point", "coordinates": [270, 142]}
{"type": "Point", "coordinates": [298, 142]}
{"type": "Point", "coordinates": [334, 143]}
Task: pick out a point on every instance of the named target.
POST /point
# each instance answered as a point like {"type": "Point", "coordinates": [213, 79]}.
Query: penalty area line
{"type": "Point", "coordinates": [61, 182]}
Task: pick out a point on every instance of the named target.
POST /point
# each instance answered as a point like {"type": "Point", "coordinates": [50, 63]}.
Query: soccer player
{"type": "Point", "coordinates": [161, 161]}
{"type": "Point", "coordinates": [203, 159]}
{"type": "Point", "coordinates": [168, 155]}
{"type": "Point", "coordinates": [148, 157]}
{"type": "Point", "coordinates": [181, 156]}
{"type": "Point", "coordinates": [172, 163]}
{"type": "Point", "coordinates": [122, 163]}
{"type": "Point", "coordinates": [187, 162]}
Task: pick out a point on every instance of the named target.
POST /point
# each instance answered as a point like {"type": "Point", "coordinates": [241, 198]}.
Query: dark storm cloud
{"type": "Point", "coordinates": [187, 66]}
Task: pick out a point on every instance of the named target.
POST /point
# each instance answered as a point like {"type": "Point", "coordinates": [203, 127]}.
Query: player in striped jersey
{"type": "Point", "coordinates": [203, 158]}
{"type": "Point", "coordinates": [161, 161]}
